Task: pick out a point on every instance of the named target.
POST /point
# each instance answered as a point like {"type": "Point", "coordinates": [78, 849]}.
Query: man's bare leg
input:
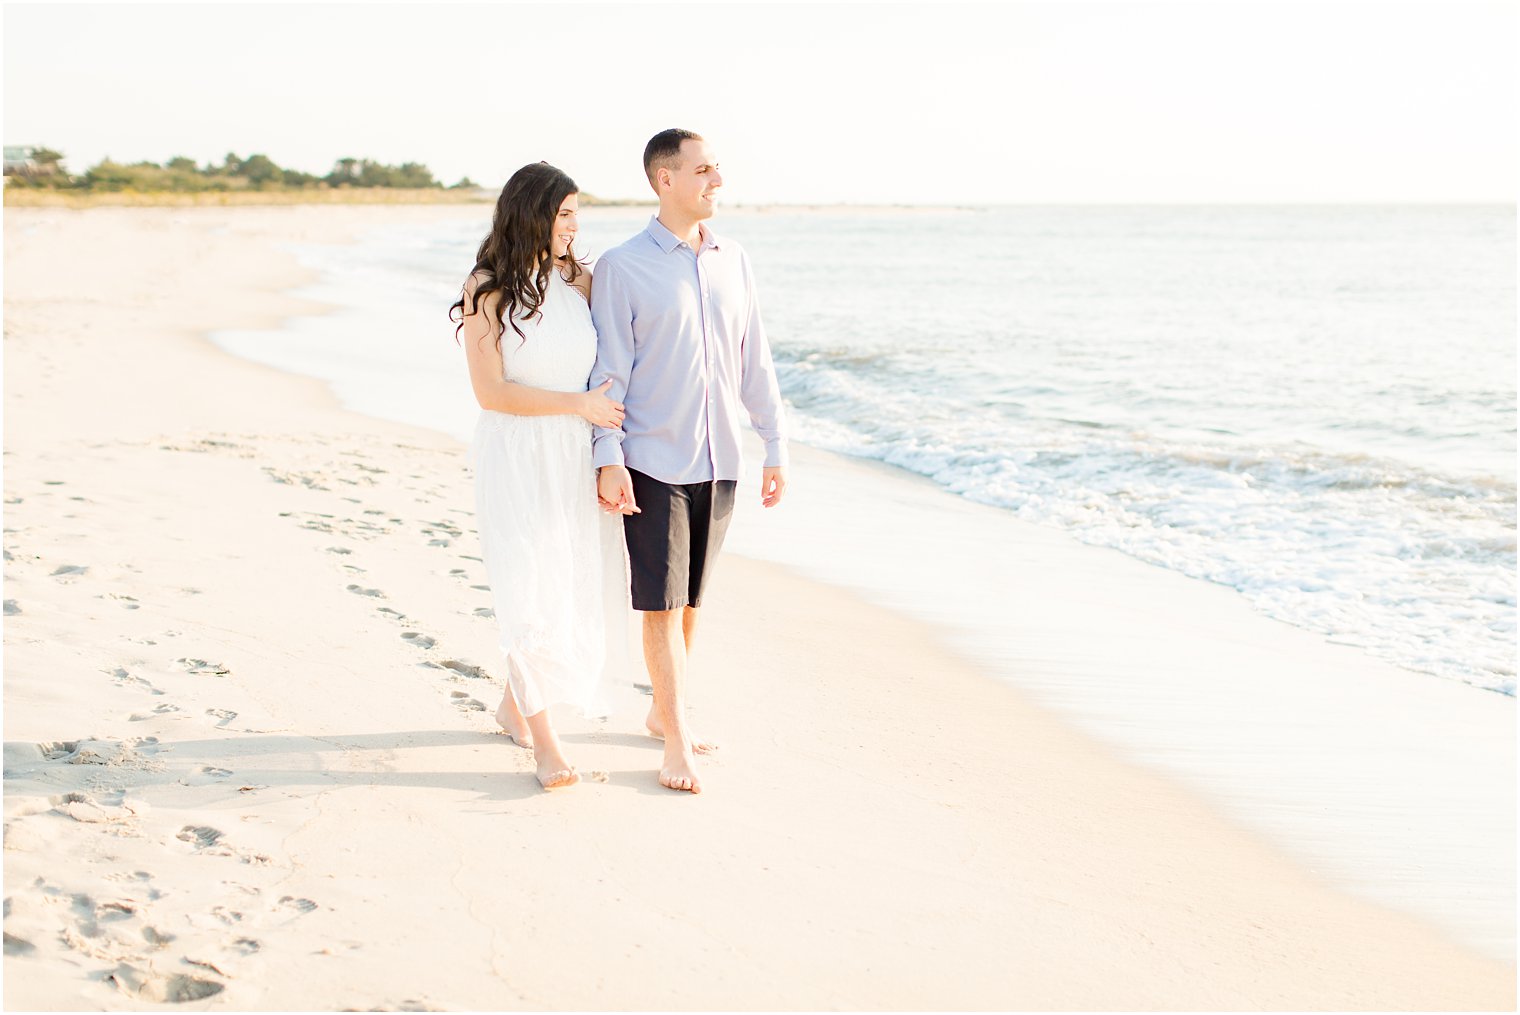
{"type": "Point", "coordinates": [665, 657]}
{"type": "Point", "coordinates": [553, 770]}
{"type": "Point", "coordinates": [652, 722]}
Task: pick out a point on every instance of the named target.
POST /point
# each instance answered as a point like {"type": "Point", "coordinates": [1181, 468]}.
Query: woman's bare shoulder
{"type": "Point", "coordinates": [473, 284]}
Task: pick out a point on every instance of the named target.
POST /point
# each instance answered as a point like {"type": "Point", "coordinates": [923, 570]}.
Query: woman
{"type": "Point", "coordinates": [554, 558]}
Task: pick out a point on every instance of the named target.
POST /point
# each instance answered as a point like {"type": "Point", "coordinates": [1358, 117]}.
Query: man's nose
{"type": "Point", "coordinates": [717, 178]}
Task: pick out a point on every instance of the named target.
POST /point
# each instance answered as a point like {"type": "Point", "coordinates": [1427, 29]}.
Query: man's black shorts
{"type": "Point", "coordinates": [673, 541]}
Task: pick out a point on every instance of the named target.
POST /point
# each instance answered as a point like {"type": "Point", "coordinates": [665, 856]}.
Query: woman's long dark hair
{"type": "Point", "coordinates": [517, 256]}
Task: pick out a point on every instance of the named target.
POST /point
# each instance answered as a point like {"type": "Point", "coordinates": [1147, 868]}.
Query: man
{"type": "Point", "coordinates": [679, 336]}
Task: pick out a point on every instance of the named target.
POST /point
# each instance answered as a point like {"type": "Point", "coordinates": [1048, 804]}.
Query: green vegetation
{"type": "Point", "coordinates": [40, 169]}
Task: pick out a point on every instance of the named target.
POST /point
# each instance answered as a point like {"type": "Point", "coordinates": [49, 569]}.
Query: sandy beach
{"type": "Point", "coordinates": [250, 764]}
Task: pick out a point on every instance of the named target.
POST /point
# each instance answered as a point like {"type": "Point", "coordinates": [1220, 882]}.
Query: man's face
{"type": "Point", "coordinates": [694, 183]}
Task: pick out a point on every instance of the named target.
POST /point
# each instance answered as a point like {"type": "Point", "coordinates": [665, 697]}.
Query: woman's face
{"type": "Point", "coordinates": [565, 225]}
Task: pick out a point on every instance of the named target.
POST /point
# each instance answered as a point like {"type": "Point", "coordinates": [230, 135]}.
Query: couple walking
{"type": "Point", "coordinates": [611, 417]}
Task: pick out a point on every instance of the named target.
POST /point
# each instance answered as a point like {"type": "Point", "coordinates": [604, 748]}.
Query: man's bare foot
{"type": "Point", "coordinates": [679, 771]}
{"type": "Point", "coordinates": [657, 730]}
{"type": "Point", "coordinates": [510, 718]}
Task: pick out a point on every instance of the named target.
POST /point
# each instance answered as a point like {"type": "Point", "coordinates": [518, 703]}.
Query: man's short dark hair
{"type": "Point", "coordinates": [664, 149]}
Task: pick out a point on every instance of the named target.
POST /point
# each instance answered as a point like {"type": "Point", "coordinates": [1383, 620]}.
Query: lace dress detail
{"type": "Point", "coordinates": [556, 562]}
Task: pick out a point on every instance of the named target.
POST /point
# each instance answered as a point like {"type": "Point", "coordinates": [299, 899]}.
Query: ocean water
{"type": "Point", "coordinates": [1314, 406]}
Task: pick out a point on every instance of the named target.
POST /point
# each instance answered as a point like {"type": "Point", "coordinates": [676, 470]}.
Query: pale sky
{"type": "Point", "coordinates": [1070, 101]}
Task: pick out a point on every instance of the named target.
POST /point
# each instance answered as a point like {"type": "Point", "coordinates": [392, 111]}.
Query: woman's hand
{"type": "Point", "coordinates": [599, 410]}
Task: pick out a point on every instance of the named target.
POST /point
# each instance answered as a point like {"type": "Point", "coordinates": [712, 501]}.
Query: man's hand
{"type": "Point", "coordinates": [772, 485]}
{"type": "Point", "coordinates": [614, 489]}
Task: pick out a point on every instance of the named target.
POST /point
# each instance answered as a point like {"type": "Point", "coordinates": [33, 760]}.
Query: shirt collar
{"type": "Point", "coordinates": [669, 241]}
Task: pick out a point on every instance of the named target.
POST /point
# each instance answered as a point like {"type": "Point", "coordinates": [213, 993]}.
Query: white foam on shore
{"type": "Point", "coordinates": [1396, 786]}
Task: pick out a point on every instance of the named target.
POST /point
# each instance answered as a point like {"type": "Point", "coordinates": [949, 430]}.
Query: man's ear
{"type": "Point", "coordinates": [661, 178]}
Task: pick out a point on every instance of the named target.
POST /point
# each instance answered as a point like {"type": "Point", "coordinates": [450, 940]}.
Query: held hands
{"type": "Point", "coordinates": [614, 489]}
{"type": "Point", "coordinates": [599, 410]}
{"type": "Point", "coordinates": [772, 485]}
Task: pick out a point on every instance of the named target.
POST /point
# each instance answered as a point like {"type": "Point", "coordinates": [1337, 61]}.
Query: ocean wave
{"type": "Point", "coordinates": [1415, 566]}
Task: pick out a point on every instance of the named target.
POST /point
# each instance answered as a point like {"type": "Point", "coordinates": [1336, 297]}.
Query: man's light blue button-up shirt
{"type": "Point", "coordinates": [679, 336]}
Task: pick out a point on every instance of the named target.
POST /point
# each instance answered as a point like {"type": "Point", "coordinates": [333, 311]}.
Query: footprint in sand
{"type": "Point", "coordinates": [108, 809]}
{"type": "Point", "coordinates": [11, 609]}
{"type": "Point", "coordinates": [127, 602]}
{"type": "Point", "coordinates": [156, 938]}
{"type": "Point", "coordinates": [376, 593]}
{"type": "Point", "coordinates": [107, 912]}
{"type": "Point", "coordinates": [205, 775]}
{"type": "Point", "coordinates": [467, 669]}
{"type": "Point", "coordinates": [339, 550]}
{"type": "Point", "coordinates": [299, 905]}
{"type": "Point", "coordinates": [200, 836]}
{"type": "Point", "coordinates": [223, 716]}
{"type": "Point", "coordinates": [18, 945]}
{"type": "Point", "coordinates": [463, 700]}
{"type": "Point", "coordinates": [393, 614]}
{"type": "Point", "coordinates": [419, 639]}
{"type": "Point", "coordinates": [70, 571]}
{"type": "Point", "coordinates": [125, 679]}
{"type": "Point", "coordinates": [202, 667]}
{"type": "Point", "coordinates": [484, 611]}
{"type": "Point", "coordinates": [92, 751]}
{"type": "Point", "coordinates": [150, 985]}
{"type": "Point", "coordinates": [158, 713]}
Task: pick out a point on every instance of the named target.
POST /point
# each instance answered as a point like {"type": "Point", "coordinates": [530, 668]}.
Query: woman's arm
{"type": "Point", "coordinates": [494, 392]}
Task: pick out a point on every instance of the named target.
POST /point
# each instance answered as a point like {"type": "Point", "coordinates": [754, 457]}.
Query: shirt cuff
{"type": "Point", "coordinates": [607, 450]}
{"type": "Point", "coordinates": [775, 453]}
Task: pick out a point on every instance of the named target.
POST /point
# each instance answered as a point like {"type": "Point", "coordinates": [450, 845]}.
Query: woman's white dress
{"type": "Point", "coordinates": [556, 562]}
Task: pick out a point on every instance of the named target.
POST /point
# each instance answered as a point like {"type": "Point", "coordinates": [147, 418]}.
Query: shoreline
{"type": "Point", "coordinates": [246, 533]}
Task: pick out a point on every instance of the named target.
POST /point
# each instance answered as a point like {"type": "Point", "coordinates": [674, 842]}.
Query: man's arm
{"type": "Point", "coordinates": [761, 395]}
{"type": "Point", "coordinates": [612, 314]}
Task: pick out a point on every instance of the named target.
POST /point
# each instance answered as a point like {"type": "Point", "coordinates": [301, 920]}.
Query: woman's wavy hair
{"type": "Point", "coordinates": [516, 257]}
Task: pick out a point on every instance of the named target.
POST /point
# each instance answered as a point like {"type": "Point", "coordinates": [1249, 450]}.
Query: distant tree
{"type": "Point", "coordinates": [345, 172]}
{"type": "Point", "coordinates": [465, 183]}
{"type": "Point", "coordinates": [181, 164]}
{"type": "Point", "coordinates": [414, 174]}
{"type": "Point", "coordinates": [47, 159]}
{"type": "Point", "coordinates": [113, 176]}
{"type": "Point", "coordinates": [369, 173]}
{"type": "Point", "coordinates": [260, 170]}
